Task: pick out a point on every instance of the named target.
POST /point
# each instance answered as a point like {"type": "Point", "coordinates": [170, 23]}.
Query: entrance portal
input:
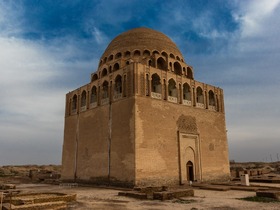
{"type": "Point", "coordinates": [190, 174]}
{"type": "Point", "coordinates": [189, 153]}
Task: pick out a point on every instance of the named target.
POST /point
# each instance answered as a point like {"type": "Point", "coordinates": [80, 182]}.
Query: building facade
{"type": "Point", "coordinates": [143, 119]}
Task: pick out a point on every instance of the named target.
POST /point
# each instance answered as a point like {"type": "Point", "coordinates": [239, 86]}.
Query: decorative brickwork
{"type": "Point", "coordinates": [187, 124]}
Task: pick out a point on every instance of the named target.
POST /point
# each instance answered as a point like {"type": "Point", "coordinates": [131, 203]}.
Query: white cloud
{"type": "Point", "coordinates": [255, 15]}
{"type": "Point", "coordinates": [25, 68]}
{"type": "Point", "coordinates": [249, 75]}
{"type": "Point", "coordinates": [98, 35]}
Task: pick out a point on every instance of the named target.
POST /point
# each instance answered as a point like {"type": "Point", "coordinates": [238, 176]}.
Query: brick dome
{"type": "Point", "coordinates": [142, 39]}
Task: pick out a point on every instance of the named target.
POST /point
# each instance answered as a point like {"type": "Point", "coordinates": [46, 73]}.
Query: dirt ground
{"type": "Point", "coordinates": [108, 199]}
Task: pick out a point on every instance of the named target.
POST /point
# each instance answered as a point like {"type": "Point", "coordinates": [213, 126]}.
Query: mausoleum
{"type": "Point", "coordinates": [143, 119]}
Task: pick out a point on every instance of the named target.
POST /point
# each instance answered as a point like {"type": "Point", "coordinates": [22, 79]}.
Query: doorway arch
{"type": "Point", "coordinates": [190, 171]}
{"type": "Point", "coordinates": [189, 154]}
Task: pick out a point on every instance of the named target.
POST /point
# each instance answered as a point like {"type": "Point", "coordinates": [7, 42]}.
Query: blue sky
{"type": "Point", "coordinates": [50, 47]}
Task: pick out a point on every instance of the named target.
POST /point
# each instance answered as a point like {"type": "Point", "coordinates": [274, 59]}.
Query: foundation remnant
{"type": "Point", "coordinates": [28, 201]}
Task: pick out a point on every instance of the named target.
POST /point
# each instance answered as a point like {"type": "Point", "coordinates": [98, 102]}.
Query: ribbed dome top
{"type": "Point", "coordinates": [142, 39]}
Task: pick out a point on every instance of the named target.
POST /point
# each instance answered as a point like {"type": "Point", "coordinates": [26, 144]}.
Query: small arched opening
{"type": "Point", "coordinates": [199, 95]}
{"type": "Point", "coordinates": [136, 53]}
{"type": "Point", "coordinates": [84, 99]}
{"type": "Point", "coordinates": [156, 84]}
{"type": "Point", "coordinates": [177, 68]}
{"type": "Point", "coordinates": [186, 92]}
{"type": "Point", "coordinates": [155, 52]}
{"type": "Point", "coordinates": [190, 171]}
{"type": "Point", "coordinates": [127, 54]}
{"type": "Point", "coordinates": [93, 95]}
{"type": "Point", "coordinates": [172, 90]}
{"type": "Point", "coordinates": [164, 54]}
{"type": "Point", "coordinates": [211, 98]}
{"type": "Point", "coordinates": [110, 57]}
{"type": "Point", "coordinates": [118, 85]}
{"type": "Point", "coordinates": [94, 77]}
{"type": "Point", "coordinates": [118, 55]}
{"type": "Point", "coordinates": [104, 72]}
{"type": "Point", "coordinates": [146, 53]}
{"type": "Point", "coordinates": [172, 56]}
{"type": "Point", "coordinates": [189, 73]}
{"type": "Point", "coordinates": [105, 90]}
{"type": "Point", "coordinates": [161, 64]}
{"type": "Point", "coordinates": [116, 67]}
{"type": "Point", "coordinates": [74, 102]}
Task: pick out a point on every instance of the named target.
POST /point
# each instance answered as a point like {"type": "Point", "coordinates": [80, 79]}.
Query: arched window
{"type": "Point", "coordinates": [105, 90]}
{"type": "Point", "coordinates": [136, 53]}
{"type": "Point", "coordinates": [164, 54]}
{"type": "Point", "coordinates": [105, 59]}
{"type": "Point", "coordinates": [118, 55]}
{"type": "Point", "coordinates": [161, 64]}
{"type": "Point", "coordinates": [118, 85]}
{"type": "Point", "coordinates": [155, 52]}
{"type": "Point", "coordinates": [94, 77]}
{"type": "Point", "coordinates": [93, 95]}
{"type": "Point", "coordinates": [172, 56]}
{"type": "Point", "coordinates": [211, 98]}
{"type": "Point", "coordinates": [199, 95]}
{"type": "Point", "coordinates": [127, 62]}
{"type": "Point", "coordinates": [116, 67]}
{"type": "Point", "coordinates": [186, 92]}
{"type": "Point", "coordinates": [127, 54]}
{"type": "Point", "coordinates": [84, 99]}
{"type": "Point", "coordinates": [156, 85]}
{"type": "Point", "coordinates": [172, 90]}
{"type": "Point", "coordinates": [104, 72]}
{"type": "Point", "coordinates": [146, 53]}
{"type": "Point", "coordinates": [177, 68]}
{"type": "Point", "coordinates": [74, 102]}
{"type": "Point", "coordinates": [189, 73]}
{"type": "Point", "coordinates": [177, 58]}
{"type": "Point", "coordinates": [110, 57]}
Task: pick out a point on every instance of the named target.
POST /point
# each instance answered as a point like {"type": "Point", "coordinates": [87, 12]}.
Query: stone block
{"type": "Point", "coordinates": [167, 195]}
{"type": "Point", "coordinates": [132, 194]}
{"type": "Point", "coordinates": [269, 194]}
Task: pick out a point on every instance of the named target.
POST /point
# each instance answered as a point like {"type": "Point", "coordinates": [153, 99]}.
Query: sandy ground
{"type": "Point", "coordinates": [108, 199]}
